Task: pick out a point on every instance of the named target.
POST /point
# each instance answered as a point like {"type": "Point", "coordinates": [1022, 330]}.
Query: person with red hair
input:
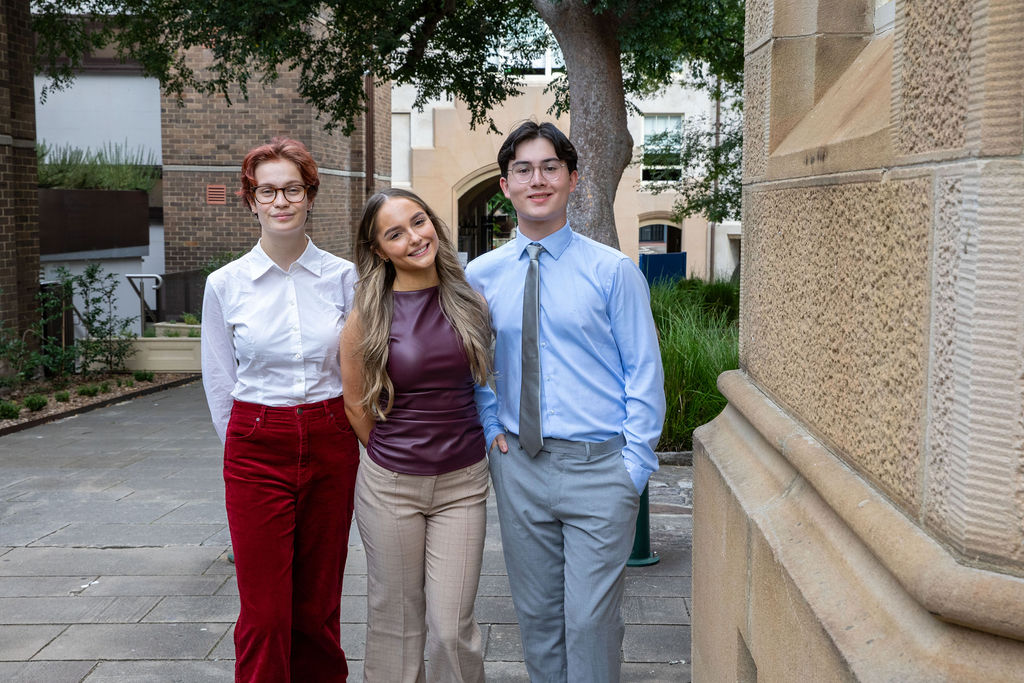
{"type": "Point", "coordinates": [271, 326]}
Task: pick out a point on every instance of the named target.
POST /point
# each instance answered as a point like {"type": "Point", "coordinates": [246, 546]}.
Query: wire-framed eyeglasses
{"type": "Point", "coordinates": [523, 171]}
{"type": "Point", "coordinates": [266, 194]}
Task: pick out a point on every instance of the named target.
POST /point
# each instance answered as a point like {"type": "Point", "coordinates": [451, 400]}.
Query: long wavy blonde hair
{"type": "Point", "coordinates": [461, 305]}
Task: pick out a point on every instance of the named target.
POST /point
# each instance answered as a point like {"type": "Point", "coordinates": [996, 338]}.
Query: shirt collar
{"type": "Point", "coordinates": [554, 244]}
{"type": "Point", "coordinates": [260, 263]}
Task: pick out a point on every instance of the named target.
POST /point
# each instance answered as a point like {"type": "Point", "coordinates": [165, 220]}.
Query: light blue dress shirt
{"type": "Point", "coordinates": [601, 371]}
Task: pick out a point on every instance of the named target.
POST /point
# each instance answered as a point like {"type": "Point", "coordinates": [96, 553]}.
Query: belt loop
{"type": "Point", "coordinates": [262, 415]}
{"type": "Point", "coordinates": [588, 451]}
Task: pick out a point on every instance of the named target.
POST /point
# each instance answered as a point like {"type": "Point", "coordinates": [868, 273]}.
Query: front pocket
{"type": "Point", "coordinates": [242, 427]}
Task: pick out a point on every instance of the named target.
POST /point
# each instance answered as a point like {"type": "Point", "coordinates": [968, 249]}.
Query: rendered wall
{"type": "Point", "coordinates": [448, 159]}
{"type": "Point", "coordinates": [859, 507]}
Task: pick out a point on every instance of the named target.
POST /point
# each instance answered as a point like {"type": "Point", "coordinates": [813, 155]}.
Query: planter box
{"type": "Point", "coordinates": [175, 329]}
{"type": "Point", "coordinates": [166, 354]}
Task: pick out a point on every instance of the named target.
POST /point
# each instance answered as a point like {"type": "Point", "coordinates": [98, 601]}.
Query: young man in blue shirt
{"type": "Point", "coordinates": [577, 409]}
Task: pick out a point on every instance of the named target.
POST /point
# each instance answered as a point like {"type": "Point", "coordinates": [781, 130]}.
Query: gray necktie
{"type": "Point", "coordinates": [530, 435]}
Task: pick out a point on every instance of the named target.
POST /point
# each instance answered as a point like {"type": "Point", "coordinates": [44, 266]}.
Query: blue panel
{"type": "Point", "coordinates": [663, 266]}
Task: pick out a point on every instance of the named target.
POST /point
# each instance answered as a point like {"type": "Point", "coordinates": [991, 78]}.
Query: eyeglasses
{"type": "Point", "coordinates": [523, 171]}
{"type": "Point", "coordinates": [266, 194]}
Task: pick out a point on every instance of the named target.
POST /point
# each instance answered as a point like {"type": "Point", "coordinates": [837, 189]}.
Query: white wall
{"type": "Point", "coordinates": [127, 301]}
{"type": "Point", "coordinates": [102, 108]}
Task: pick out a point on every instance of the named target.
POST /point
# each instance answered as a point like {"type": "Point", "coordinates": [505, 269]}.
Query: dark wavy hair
{"type": "Point", "coordinates": [530, 130]}
{"type": "Point", "coordinates": [279, 148]}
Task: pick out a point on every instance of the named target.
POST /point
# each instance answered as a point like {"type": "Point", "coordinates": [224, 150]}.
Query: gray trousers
{"type": "Point", "coordinates": [567, 520]}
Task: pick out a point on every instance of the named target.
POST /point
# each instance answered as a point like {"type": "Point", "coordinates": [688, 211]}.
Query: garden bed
{"type": "Point", "coordinates": [119, 387]}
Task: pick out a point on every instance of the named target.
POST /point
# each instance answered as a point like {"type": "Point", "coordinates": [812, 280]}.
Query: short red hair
{"type": "Point", "coordinates": [279, 148]}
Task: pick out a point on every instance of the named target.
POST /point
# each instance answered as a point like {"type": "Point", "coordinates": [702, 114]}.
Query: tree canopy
{"type": "Point", "coordinates": [475, 51]}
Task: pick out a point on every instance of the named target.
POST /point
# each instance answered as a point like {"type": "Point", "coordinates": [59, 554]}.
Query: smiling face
{"type": "Point", "coordinates": [405, 236]}
{"type": "Point", "coordinates": [280, 218]}
{"type": "Point", "coordinates": [541, 202]}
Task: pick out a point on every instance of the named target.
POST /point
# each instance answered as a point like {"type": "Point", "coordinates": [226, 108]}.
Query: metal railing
{"type": "Point", "coordinates": [146, 314]}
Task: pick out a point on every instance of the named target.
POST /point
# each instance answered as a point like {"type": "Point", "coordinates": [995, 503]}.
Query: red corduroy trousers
{"type": "Point", "coordinates": [289, 474]}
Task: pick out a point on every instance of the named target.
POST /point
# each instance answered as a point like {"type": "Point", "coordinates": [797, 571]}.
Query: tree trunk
{"type": "Point", "coordinates": [597, 109]}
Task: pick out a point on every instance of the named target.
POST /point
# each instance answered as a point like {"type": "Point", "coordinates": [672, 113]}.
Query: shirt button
{"type": "Point", "coordinates": [298, 356]}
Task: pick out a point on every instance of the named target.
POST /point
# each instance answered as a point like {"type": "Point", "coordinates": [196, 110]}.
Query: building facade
{"type": "Point", "coordinates": [453, 167]}
{"type": "Point", "coordinates": [859, 504]}
{"type": "Point", "coordinates": [19, 239]}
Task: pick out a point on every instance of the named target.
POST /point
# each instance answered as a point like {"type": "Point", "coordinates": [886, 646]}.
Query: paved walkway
{"type": "Point", "coordinates": [113, 547]}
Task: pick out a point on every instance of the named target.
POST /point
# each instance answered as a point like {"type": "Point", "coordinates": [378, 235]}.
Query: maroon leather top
{"type": "Point", "coordinates": [433, 426]}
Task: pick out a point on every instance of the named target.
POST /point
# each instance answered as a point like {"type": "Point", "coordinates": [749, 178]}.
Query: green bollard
{"type": "Point", "coordinates": [641, 555]}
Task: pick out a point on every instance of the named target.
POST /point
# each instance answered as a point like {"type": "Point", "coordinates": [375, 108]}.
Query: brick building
{"type": "Point", "coordinates": [205, 140]}
{"type": "Point", "coordinates": [19, 240]}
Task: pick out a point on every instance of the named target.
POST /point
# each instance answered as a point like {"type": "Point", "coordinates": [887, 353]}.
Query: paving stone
{"type": "Point", "coordinates": [128, 535]}
{"type": "Point", "coordinates": [162, 672]}
{"type": "Point", "coordinates": [650, 610]}
{"type": "Point", "coordinates": [656, 673]}
{"type": "Point", "coordinates": [42, 586]}
{"type": "Point", "coordinates": [230, 587]}
{"type": "Point", "coordinates": [195, 608]}
{"type": "Point", "coordinates": [665, 586]}
{"type": "Point", "coordinates": [493, 586]}
{"type": "Point", "coordinates": [353, 609]}
{"type": "Point", "coordinates": [503, 644]}
{"type": "Point", "coordinates": [225, 646]}
{"type": "Point", "coordinates": [21, 642]}
{"type": "Point", "coordinates": [130, 561]}
{"type": "Point", "coordinates": [353, 640]}
{"type": "Point", "coordinates": [204, 512]}
{"type": "Point", "coordinates": [50, 672]}
{"type": "Point", "coordinates": [495, 610]}
{"type": "Point", "coordinates": [134, 641]}
{"type": "Point", "coordinates": [657, 644]}
{"type": "Point", "coordinates": [22, 534]}
{"type": "Point", "coordinates": [355, 584]}
{"type": "Point", "coordinates": [506, 672]}
{"type": "Point", "coordinates": [74, 609]}
{"type": "Point", "coordinates": [152, 585]}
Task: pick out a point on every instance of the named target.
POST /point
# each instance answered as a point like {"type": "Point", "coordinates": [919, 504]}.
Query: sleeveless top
{"type": "Point", "coordinates": [433, 427]}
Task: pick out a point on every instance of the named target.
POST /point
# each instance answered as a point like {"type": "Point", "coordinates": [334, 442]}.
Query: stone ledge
{"type": "Point", "coordinates": [973, 597]}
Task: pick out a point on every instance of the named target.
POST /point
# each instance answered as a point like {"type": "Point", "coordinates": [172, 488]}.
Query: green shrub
{"type": "Point", "coordinates": [172, 333]}
{"type": "Point", "coordinates": [699, 338]}
{"type": "Point", "coordinates": [150, 331]}
{"type": "Point", "coordinates": [143, 376]}
{"type": "Point", "coordinates": [189, 319]}
{"type": "Point", "coordinates": [9, 411]}
{"type": "Point", "coordinates": [35, 402]}
{"type": "Point", "coordinates": [88, 390]}
{"type": "Point", "coordinates": [129, 382]}
{"type": "Point", "coordinates": [114, 167]}
{"type": "Point", "coordinates": [194, 334]}
{"type": "Point", "coordinates": [104, 387]}
{"type": "Point", "coordinates": [62, 397]}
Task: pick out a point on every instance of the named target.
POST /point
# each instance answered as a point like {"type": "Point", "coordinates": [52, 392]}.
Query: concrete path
{"type": "Point", "coordinates": [113, 558]}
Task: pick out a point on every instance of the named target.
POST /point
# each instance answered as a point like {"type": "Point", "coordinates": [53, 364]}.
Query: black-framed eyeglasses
{"type": "Point", "coordinates": [523, 172]}
{"type": "Point", "coordinates": [266, 194]}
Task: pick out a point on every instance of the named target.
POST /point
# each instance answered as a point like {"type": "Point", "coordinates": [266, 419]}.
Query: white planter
{"type": "Point", "coordinates": [166, 354]}
{"type": "Point", "coordinates": [175, 329]}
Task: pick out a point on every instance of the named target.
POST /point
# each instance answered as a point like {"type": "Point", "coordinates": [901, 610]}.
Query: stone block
{"type": "Point", "coordinates": [134, 641]}
{"type": "Point", "coordinates": [22, 641]}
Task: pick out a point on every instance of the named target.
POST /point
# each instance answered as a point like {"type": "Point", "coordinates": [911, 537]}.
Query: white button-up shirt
{"type": "Point", "coordinates": [270, 336]}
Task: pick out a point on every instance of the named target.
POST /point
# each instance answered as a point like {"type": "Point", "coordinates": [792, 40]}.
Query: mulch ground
{"type": "Point", "coordinates": [118, 387]}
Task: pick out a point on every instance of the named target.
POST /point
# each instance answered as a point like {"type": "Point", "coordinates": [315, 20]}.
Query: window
{"type": "Point", "coordinates": [652, 233]}
{"type": "Point", "coordinates": [662, 147]}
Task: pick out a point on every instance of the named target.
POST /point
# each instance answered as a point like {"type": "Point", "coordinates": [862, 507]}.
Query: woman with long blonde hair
{"type": "Point", "coordinates": [415, 348]}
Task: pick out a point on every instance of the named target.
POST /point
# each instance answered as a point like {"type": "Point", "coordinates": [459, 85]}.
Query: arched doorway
{"type": "Point", "coordinates": [483, 215]}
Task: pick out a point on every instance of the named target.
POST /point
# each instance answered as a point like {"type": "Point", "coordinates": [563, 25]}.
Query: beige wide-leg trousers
{"type": "Point", "coordinates": [424, 540]}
